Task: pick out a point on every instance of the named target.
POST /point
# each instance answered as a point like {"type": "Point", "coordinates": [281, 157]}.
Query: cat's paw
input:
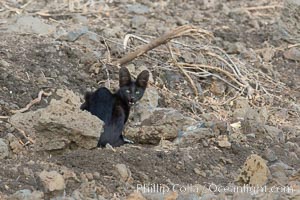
{"type": "Point", "coordinates": [127, 141]}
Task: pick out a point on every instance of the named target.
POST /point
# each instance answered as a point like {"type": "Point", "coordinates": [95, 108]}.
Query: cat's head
{"type": "Point", "coordinates": [132, 91]}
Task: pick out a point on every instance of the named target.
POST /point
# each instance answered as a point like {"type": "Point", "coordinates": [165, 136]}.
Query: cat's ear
{"type": "Point", "coordinates": [142, 79]}
{"type": "Point", "coordinates": [124, 77]}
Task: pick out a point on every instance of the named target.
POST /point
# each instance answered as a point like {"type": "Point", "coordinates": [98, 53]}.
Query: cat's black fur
{"type": "Point", "coordinates": [113, 109]}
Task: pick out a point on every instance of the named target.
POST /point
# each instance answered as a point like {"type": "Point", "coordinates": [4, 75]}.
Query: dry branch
{"type": "Point", "coordinates": [184, 72]}
{"type": "Point", "coordinates": [4, 117]}
{"type": "Point", "coordinates": [11, 9]}
{"type": "Point", "coordinates": [25, 136]}
{"type": "Point", "coordinates": [34, 101]}
{"type": "Point", "coordinates": [263, 7]}
{"type": "Point", "coordinates": [229, 75]}
{"type": "Point", "coordinates": [128, 36]}
{"type": "Point", "coordinates": [177, 32]}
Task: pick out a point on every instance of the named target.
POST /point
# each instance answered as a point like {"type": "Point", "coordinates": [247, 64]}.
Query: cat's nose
{"type": "Point", "coordinates": [132, 101]}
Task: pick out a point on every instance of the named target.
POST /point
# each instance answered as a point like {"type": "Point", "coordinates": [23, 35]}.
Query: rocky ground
{"type": "Point", "coordinates": [219, 120]}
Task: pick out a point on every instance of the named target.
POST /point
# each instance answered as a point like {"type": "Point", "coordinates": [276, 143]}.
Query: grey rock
{"type": "Point", "coordinates": [194, 133]}
{"type": "Point", "coordinates": [27, 195]}
{"type": "Point", "coordinates": [294, 2]}
{"type": "Point", "coordinates": [189, 57]}
{"type": "Point", "coordinates": [268, 196]}
{"type": "Point", "coordinates": [218, 87]}
{"type": "Point", "coordinates": [123, 171]}
{"type": "Point", "coordinates": [280, 172]}
{"type": "Point", "coordinates": [239, 15]}
{"type": "Point", "coordinates": [14, 144]}
{"type": "Point", "coordinates": [162, 123]}
{"type": "Point", "coordinates": [275, 133]}
{"type": "Point", "coordinates": [73, 35]}
{"type": "Point", "coordinates": [89, 37]}
{"type": "Point", "coordinates": [188, 196]}
{"type": "Point", "coordinates": [154, 196]}
{"type": "Point", "coordinates": [251, 136]}
{"type": "Point", "coordinates": [252, 120]}
{"type": "Point", "coordinates": [77, 195]}
{"type": "Point", "coordinates": [61, 124]}
{"type": "Point", "coordinates": [4, 64]}
{"type": "Point", "coordinates": [132, 69]}
{"type": "Point", "coordinates": [10, 137]}
{"type": "Point", "coordinates": [180, 21]}
{"type": "Point", "coordinates": [101, 197]}
{"type": "Point", "coordinates": [149, 101]}
{"type": "Point", "coordinates": [79, 19]}
{"type": "Point", "coordinates": [280, 177]}
{"type": "Point", "coordinates": [64, 198]}
{"type": "Point", "coordinates": [280, 166]}
{"type": "Point", "coordinates": [89, 58]}
{"type": "Point", "coordinates": [268, 54]}
{"type": "Point", "coordinates": [200, 172]}
{"type": "Point", "coordinates": [236, 48]}
{"type": "Point", "coordinates": [208, 117]}
{"type": "Point", "coordinates": [288, 26]}
{"type": "Point", "coordinates": [135, 196]}
{"type": "Point", "coordinates": [87, 190]}
{"type": "Point", "coordinates": [172, 79]}
{"type": "Point", "coordinates": [241, 107]}
{"type": "Point", "coordinates": [269, 155]}
{"type": "Point", "coordinates": [293, 157]}
{"type": "Point", "coordinates": [29, 24]}
{"type": "Point", "coordinates": [225, 9]}
{"type": "Point", "coordinates": [138, 21]}
{"type": "Point", "coordinates": [208, 197]}
{"type": "Point", "coordinates": [4, 150]}
{"type": "Point", "coordinates": [241, 196]}
{"type": "Point", "coordinates": [146, 105]}
{"type": "Point", "coordinates": [205, 143]}
{"type": "Point", "coordinates": [291, 146]}
{"type": "Point", "coordinates": [198, 17]}
{"type": "Point", "coordinates": [52, 181]}
{"type": "Point", "coordinates": [60, 31]}
{"type": "Point", "coordinates": [112, 32]}
{"type": "Point", "coordinates": [292, 54]}
{"type": "Point", "coordinates": [138, 8]}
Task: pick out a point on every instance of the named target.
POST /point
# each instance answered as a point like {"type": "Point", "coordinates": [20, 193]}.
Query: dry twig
{"type": "Point", "coordinates": [263, 7]}
{"type": "Point", "coordinates": [177, 32]}
{"type": "Point", "coordinates": [128, 36]}
{"type": "Point", "coordinates": [25, 136]}
{"type": "Point", "coordinates": [293, 45]}
{"type": "Point", "coordinates": [184, 72]}
{"type": "Point", "coordinates": [4, 117]}
{"type": "Point", "coordinates": [200, 66]}
{"type": "Point", "coordinates": [27, 4]}
{"type": "Point", "coordinates": [34, 101]}
{"type": "Point", "coordinates": [11, 9]}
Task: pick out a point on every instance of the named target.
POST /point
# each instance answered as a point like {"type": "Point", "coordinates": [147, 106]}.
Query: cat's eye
{"type": "Point", "coordinates": [127, 91]}
{"type": "Point", "coordinates": [137, 92]}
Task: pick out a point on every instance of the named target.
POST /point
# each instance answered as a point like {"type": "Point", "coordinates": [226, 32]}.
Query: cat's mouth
{"type": "Point", "coordinates": [131, 103]}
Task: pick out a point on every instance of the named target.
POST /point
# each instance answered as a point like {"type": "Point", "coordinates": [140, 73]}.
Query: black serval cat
{"type": "Point", "coordinates": [113, 109]}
